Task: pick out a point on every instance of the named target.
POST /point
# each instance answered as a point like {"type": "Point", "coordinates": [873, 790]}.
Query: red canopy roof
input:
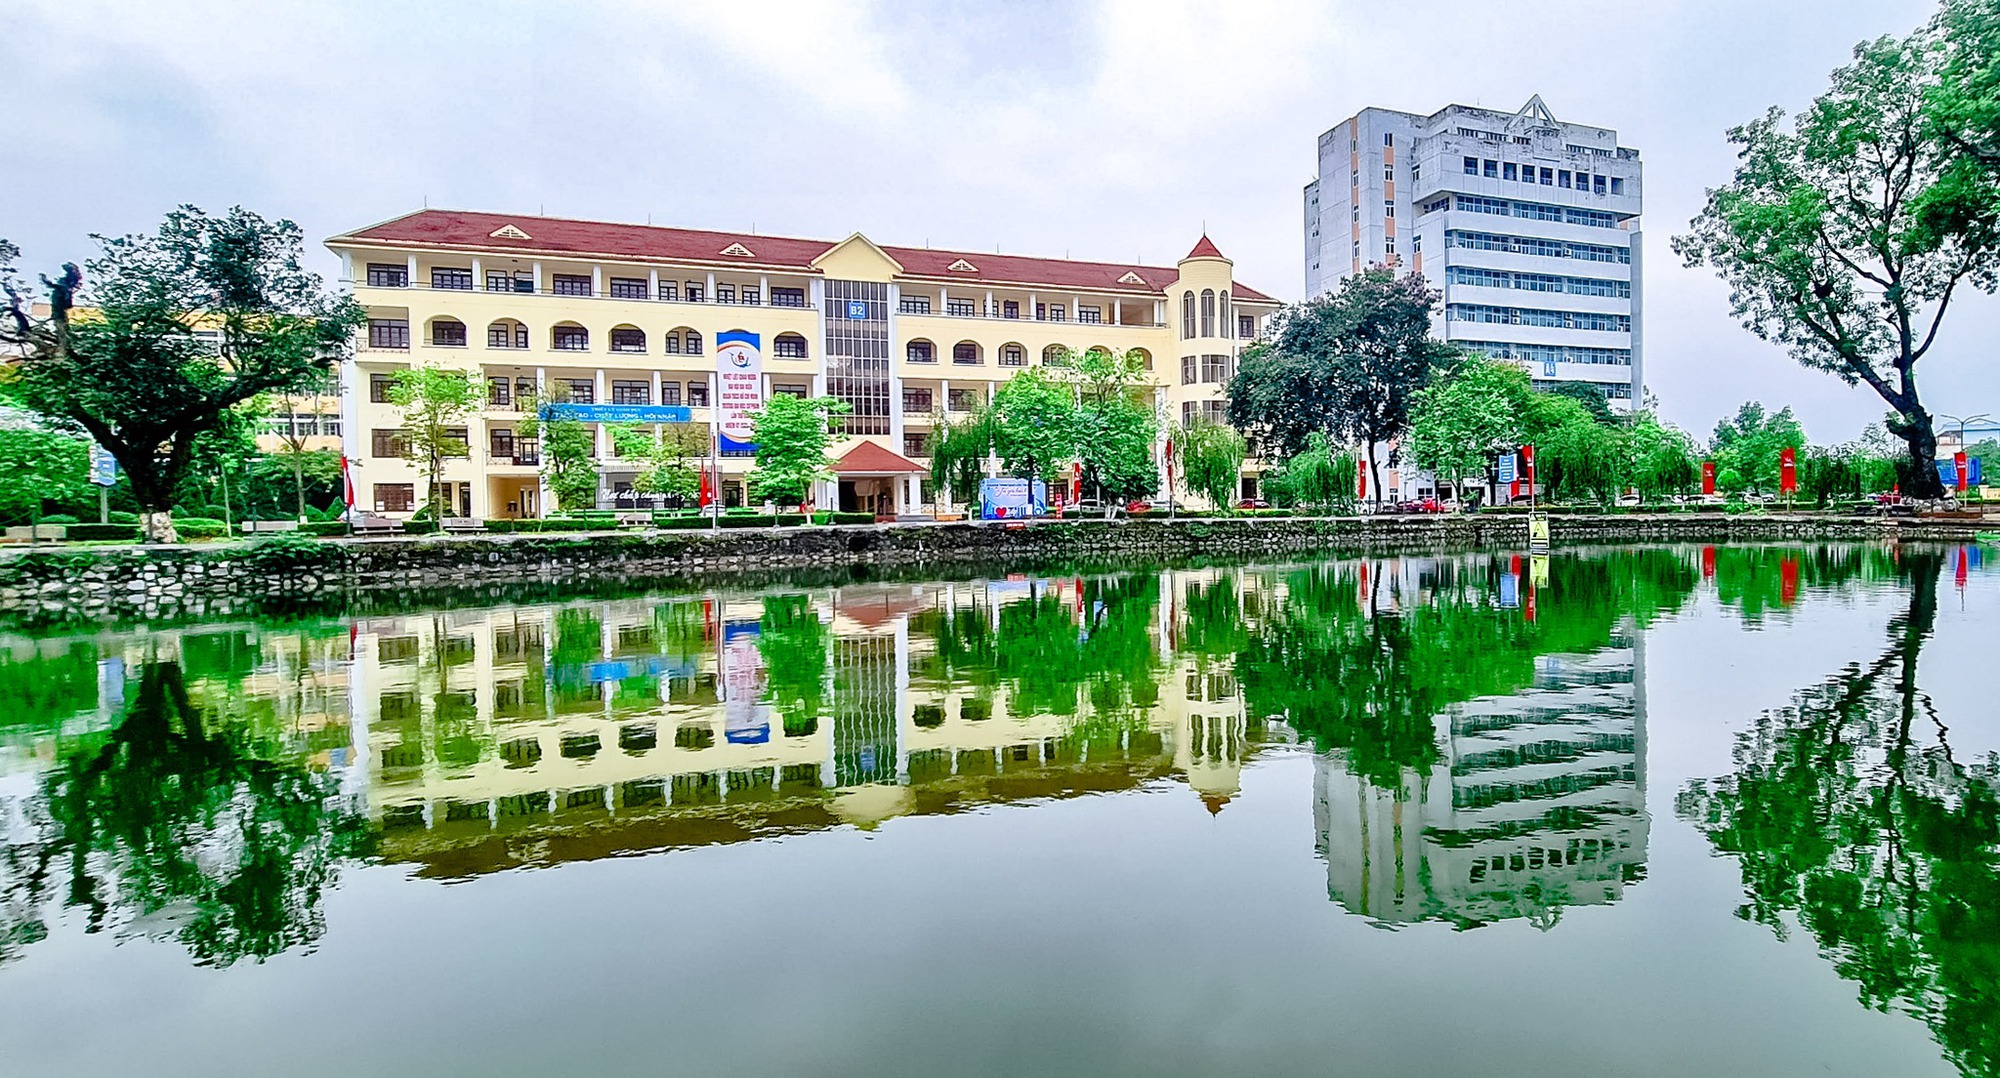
{"type": "Point", "coordinates": [867, 458]}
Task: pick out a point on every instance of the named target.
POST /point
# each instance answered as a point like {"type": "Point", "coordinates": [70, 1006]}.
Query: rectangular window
{"type": "Point", "coordinates": [1388, 207]}
{"type": "Point", "coordinates": [571, 339]}
{"type": "Point", "coordinates": [504, 281]}
{"type": "Point", "coordinates": [917, 400]}
{"type": "Point", "coordinates": [388, 275]}
{"type": "Point", "coordinates": [1090, 315]}
{"type": "Point", "coordinates": [500, 443]}
{"type": "Point", "coordinates": [1617, 186]}
{"type": "Point", "coordinates": [788, 297]}
{"type": "Point", "coordinates": [1246, 326]}
{"type": "Point", "coordinates": [913, 443]}
{"type": "Point", "coordinates": [1189, 410]}
{"type": "Point", "coordinates": [725, 293]}
{"type": "Point", "coordinates": [525, 393]}
{"type": "Point", "coordinates": [791, 389]}
{"type": "Point", "coordinates": [1562, 178]}
{"type": "Point", "coordinates": [670, 290]}
{"type": "Point", "coordinates": [582, 391]}
{"type": "Point", "coordinates": [628, 340]}
{"type": "Point", "coordinates": [329, 425]}
{"type": "Point", "coordinates": [694, 292]}
{"type": "Point", "coordinates": [390, 333]}
{"type": "Point", "coordinates": [625, 391]}
{"type": "Point", "coordinates": [446, 333]}
{"type": "Point", "coordinates": [1472, 166]}
{"type": "Point", "coordinates": [499, 393]}
{"type": "Point", "coordinates": [395, 497]}
{"type": "Point", "coordinates": [452, 280]}
{"type": "Point", "coordinates": [856, 354]}
{"type": "Point", "coordinates": [913, 305]}
{"type": "Point", "coordinates": [388, 443]}
{"type": "Point", "coordinates": [921, 352]}
{"type": "Point", "coordinates": [1215, 368]}
{"type": "Point", "coordinates": [1058, 312]}
{"type": "Point", "coordinates": [1491, 170]}
{"type": "Point", "coordinates": [1388, 174]}
{"type": "Point", "coordinates": [698, 394]}
{"type": "Point", "coordinates": [750, 297]}
{"type": "Point", "coordinates": [1389, 138]}
{"type": "Point", "coordinates": [1548, 177]}
{"type": "Point", "coordinates": [1190, 366]}
{"type": "Point", "coordinates": [1597, 185]}
{"type": "Point", "coordinates": [572, 284]}
{"type": "Point", "coordinates": [1010, 308]}
{"type": "Point", "coordinates": [1013, 355]}
{"type": "Point", "coordinates": [670, 392]}
{"type": "Point", "coordinates": [965, 400]}
{"type": "Point", "coordinates": [1509, 171]}
{"type": "Point", "coordinates": [692, 345]}
{"type": "Point", "coordinates": [961, 308]}
{"type": "Point", "coordinates": [631, 288]}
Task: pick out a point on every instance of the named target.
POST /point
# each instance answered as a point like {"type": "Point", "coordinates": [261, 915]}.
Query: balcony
{"type": "Point", "coordinates": [527, 288]}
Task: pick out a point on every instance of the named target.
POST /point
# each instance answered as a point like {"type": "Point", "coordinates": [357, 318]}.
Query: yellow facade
{"type": "Point", "coordinates": [619, 314]}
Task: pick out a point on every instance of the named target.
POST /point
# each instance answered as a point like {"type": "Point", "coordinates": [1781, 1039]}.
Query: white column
{"type": "Point", "coordinates": [1117, 313]}
{"type": "Point", "coordinates": [656, 386]}
{"type": "Point", "coordinates": [709, 296]}
{"type": "Point", "coordinates": [764, 293]}
{"type": "Point", "coordinates": [347, 266]}
{"type": "Point", "coordinates": [541, 478]}
{"type": "Point", "coordinates": [1032, 305]}
{"type": "Point", "coordinates": [991, 311]}
{"type": "Point", "coordinates": [653, 283]}
{"type": "Point", "coordinates": [603, 436]}
{"type": "Point", "coordinates": [478, 279]}
{"type": "Point", "coordinates": [597, 280]}
{"type": "Point", "coordinates": [413, 271]}
{"type": "Point", "coordinates": [538, 277]}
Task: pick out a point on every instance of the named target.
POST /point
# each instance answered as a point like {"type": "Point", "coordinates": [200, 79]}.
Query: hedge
{"type": "Point", "coordinates": [102, 533]}
{"type": "Point", "coordinates": [420, 527]}
{"type": "Point", "coordinates": [843, 518]}
{"type": "Point", "coordinates": [684, 523]}
{"type": "Point", "coordinates": [776, 520]}
{"type": "Point", "coordinates": [324, 527]}
{"type": "Point", "coordinates": [200, 528]}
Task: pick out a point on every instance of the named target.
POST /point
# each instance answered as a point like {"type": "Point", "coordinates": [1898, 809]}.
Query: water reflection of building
{"type": "Point", "coordinates": [1537, 802]}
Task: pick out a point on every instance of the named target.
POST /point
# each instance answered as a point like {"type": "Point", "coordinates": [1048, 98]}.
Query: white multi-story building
{"type": "Point", "coordinates": [1529, 224]}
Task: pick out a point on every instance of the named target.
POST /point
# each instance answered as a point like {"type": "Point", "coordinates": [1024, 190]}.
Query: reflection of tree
{"type": "Point", "coordinates": [796, 646]}
{"type": "Point", "coordinates": [1847, 810]}
{"type": "Point", "coordinates": [1049, 653]}
{"type": "Point", "coordinates": [182, 824]}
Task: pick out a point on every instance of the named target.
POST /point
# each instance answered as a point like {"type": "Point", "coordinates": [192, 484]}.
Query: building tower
{"type": "Point", "coordinates": [1530, 225]}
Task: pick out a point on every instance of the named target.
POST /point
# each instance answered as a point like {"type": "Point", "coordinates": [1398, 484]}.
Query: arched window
{"type": "Point", "coordinates": [447, 333]}
{"type": "Point", "coordinates": [1145, 358]}
{"type": "Point", "coordinates": [965, 352]}
{"type": "Point", "coordinates": [628, 339]}
{"type": "Point", "coordinates": [1055, 355]}
{"type": "Point", "coordinates": [1227, 327]}
{"type": "Point", "coordinates": [789, 346]}
{"type": "Point", "coordinates": [1013, 355]}
{"type": "Point", "coordinates": [570, 337]}
{"type": "Point", "coordinates": [506, 333]}
{"type": "Point", "coordinates": [921, 352]}
{"type": "Point", "coordinates": [1207, 312]}
{"type": "Point", "coordinates": [1187, 314]}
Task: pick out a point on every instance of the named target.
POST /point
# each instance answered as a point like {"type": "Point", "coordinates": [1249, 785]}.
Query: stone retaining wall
{"type": "Point", "coordinates": [114, 584]}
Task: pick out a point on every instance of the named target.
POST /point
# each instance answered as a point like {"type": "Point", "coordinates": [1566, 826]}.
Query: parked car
{"type": "Point", "coordinates": [1253, 503]}
{"type": "Point", "coordinates": [1427, 505]}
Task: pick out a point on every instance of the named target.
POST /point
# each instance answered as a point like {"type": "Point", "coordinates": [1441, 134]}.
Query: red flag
{"type": "Point", "coordinates": [1958, 462]}
{"type": "Point", "coordinates": [346, 482]}
{"type": "Point", "coordinates": [1788, 581]}
{"type": "Point", "coordinates": [1708, 477]}
{"type": "Point", "coordinates": [1361, 479]}
{"type": "Point", "coordinates": [707, 491]}
{"type": "Point", "coordinates": [1788, 470]}
{"type": "Point", "coordinates": [1528, 463]}
{"type": "Point", "coordinates": [1170, 464]}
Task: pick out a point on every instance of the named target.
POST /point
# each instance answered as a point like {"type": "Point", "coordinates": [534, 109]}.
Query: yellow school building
{"type": "Point", "coordinates": [651, 325]}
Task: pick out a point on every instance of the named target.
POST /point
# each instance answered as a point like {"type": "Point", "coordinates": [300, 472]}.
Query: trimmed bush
{"type": "Point", "coordinates": [502, 527]}
{"type": "Point", "coordinates": [760, 520]}
{"type": "Point", "coordinates": [200, 528]}
{"type": "Point", "coordinates": [119, 516]}
{"type": "Point", "coordinates": [102, 533]}
{"type": "Point", "coordinates": [61, 518]}
{"type": "Point", "coordinates": [679, 524]}
{"type": "Point", "coordinates": [420, 527]}
{"type": "Point", "coordinates": [848, 518]}
{"type": "Point", "coordinates": [324, 527]}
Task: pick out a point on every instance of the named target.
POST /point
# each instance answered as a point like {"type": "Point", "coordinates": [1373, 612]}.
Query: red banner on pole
{"type": "Point", "coordinates": [1708, 477]}
{"type": "Point", "coordinates": [1788, 470]}
{"type": "Point", "coordinates": [1361, 479]}
{"type": "Point", "coordinates": [1958, 463]}
{"type": "Point", "coordinates": [1788, 581]}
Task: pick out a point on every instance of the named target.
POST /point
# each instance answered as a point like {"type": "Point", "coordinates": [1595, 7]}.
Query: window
{"type": "Point", "coordinates": [1187, 315]}
{"type": "Point", "coordinates": [628, 339]}
{"type": "Point", "coordinates": [1246, 326]}
{"type": "Point", "coordinates": [499, 393]}
{"type": "Point", "coordinates": [1222, 321]}
{"type": "Point", "coordinates": [390, 333]}
{"type": "Point", "coordinates": [1090, 315]}
{"type": "Point", "coordinates": [1057, 312]}
{"type": "Point", "coordinates": [750, 296]}
{"type": "Point", "coordinates": [698, 394]}
{"type": "Point", "coordinates": [670, 392]}
{"type": "Point", "coordinates": [1388, 174]}
{"type": "Point", "coordinates": [1013, 355]}
{"type": "Point", "coordinates": [789, 346]}
{"type": "Point", "coordinates": [725, 293]}
{"type": "Point", "coordinates": [627, 391]}
{"type": "Point", "coordinates": [1388, 207]}
{"type": "Point", "coordinates": [500, 443]}
{"type": "Point", "coordinates": [694, 292]}
{"type": "Point", "coordinates": [389, 443]}
{"type": "Point", "coordinates": [505, 281]}
{"type": "Point", "coordinates": [1010, 308]}
{"type": "Point", "coordinates": [1548, 177]}
{"type": "Point", "coordinates": [1354, 214]}
{"type": "Point", "coordinates": [395, 497]}
{"type": "Point", "coordinates": [571, 339]}
{"type": "Point", "coordinates": [1416, 173]}
{"type": "Point", "coordinates": [693, 343]}
{"type": "Point", "coordinates": [1491, 170]}
{"type": "Point", "coordinates": [921, 352]}
{"type": "Point", "coordinates": [504, 335]}
{"type": "Point", "coordinates": [1215, 368]}
{"type": "Point", "coordinates": [1509, 171]}
{"type": "Point", "coordinates": [1417, 243]}
{"type": "Point", "coordinates": [918, 400]}
{"type": "Point", "coordinates": [581, 390]}
{"type": "Point", "coordinates": [1472, 166]}
{"type": "Point", "coordinates": [1189, 368]}
{"type": "Point", "coordinates": [448, 333]}
{"type": "Point", "coordinates": [914, 443]}
{"type": "Point", "coordinates": [1597, 185]}
{"type": "Point", "coordinates": [329, 425]}
{"type": "Point", "coordinates": [1389, 138]}
{"type": "Point", "coordinates": [964, 400]}
{"type": "Point", "coordinates": [453, 280]}
{"type": "Point", "coordinates": [631, 288]}
{"type": "Point", "coordinates": [525, 392]}
{"type": "Point", "coordinates": [913, 305]}
{"type": "Point", "coordinates": [1562, 178]}
{"type": "Point", "coordinates": [1617, 186]}
{"type": "Point", "coordinates": [960, 308]}
{"type": "Point", "coordinates": [1207, 312]}
{"type": "Point", "coordinates": [965, 352]}
{"type": "Point", "coordinates": [670, 290]}
{"type": "Point", "coordinates": [788, 297]}
{"type": "Point", "coordinates": [1389, 246]}
{"type": "Point", "coordinates": [572, 284]}
{"type": "Point", "coordinates": [388, 275]}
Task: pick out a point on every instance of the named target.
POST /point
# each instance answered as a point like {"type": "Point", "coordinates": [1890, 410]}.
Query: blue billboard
{"type": "Point", "coordinates": [622, 413]}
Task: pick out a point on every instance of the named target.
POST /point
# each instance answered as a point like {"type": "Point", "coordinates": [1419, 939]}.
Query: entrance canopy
{"type": "Point", "coordinates": [867, 459]}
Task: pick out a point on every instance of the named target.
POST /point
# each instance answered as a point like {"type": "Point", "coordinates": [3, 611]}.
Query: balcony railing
{"type": "Point", "coordinates": [527, 288]}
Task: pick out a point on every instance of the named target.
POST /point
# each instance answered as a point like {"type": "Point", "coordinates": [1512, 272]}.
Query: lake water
{"type": "Point", "coordinates": [1643, 812]}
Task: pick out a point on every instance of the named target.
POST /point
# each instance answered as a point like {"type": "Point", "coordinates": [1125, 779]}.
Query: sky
{"type": "Point", "coordinates": [1098, 129]}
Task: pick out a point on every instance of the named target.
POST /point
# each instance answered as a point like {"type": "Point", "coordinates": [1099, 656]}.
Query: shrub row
{"type": "Point", "coordinates": [102, 533]}
{"type": "Point", "coordinates": [553, 524]}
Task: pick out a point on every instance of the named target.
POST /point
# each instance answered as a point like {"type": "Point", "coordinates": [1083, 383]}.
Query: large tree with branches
{"type": "Point", "coordinates": [1846, 233]}
{"type": "Point", "coordinates": [151, 345]}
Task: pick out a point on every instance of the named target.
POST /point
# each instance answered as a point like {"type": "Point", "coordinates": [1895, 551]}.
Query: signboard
{"type": "Point", "coordinates": [1507, 465]}
{"type": "Point", "coordinates": [1011, 499]}
{"type": "Point", "coordinates": [739, 391]}
{"type": "Point", "coordinates": [1958, 464]}
{"type": "Point", "coordinates": [1538, 531]}
{"type": "Point", "coordinates": [857, 310]}
{"type": "Point", "coordinates": [746, 717]}
{"type": "Point", "coordinates": [103, 466]}
{"type": "Point", "coordinates": [1548, 368]}
{"type": "Point", "coordinates": [1788, 471]}
{"type": "Point", "coordinates": [1948, 474]}
{"type": "Point", "coordinates": [1976, 476]}
{"type": "Point", "coordinates": [623, 413]}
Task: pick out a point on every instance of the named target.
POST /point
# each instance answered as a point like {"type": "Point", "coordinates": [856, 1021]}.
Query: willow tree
{"type": "Point", "coordinates": [1846, 233]}
{"type": "Point", "coordinates": [159, 337]}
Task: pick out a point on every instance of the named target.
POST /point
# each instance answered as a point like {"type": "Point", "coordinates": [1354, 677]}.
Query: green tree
{"type": "Point", "coordinates": [1035, 423]}
{"type": "Point", "coordinates": [1987, 452]}
{"type": "Point", "coordinates": [569, 450]}
{"type": "Point", "coordinates": [1662, 456]}
{"type": "Point", "coordinates": [1116, 428]}
{"type": "Point", "coordinates": [1576, 457]}
{"type": "Point", "coordinates": [38, 466]}
{"type": "Point", "coordinates": [797, 648]}
{"type": "Point", "coordinates": [119, 353]}
{"type": "Point", "coordinates": [793, 435]}
{"type": "Point", "coordinates": [308, 399]}
{"type": "Point", "coordinates": [1210, 457]}
{"type": "Point", "coordinates": [1845, 235]}
{"type": "Point", "coordinates": [1459, 424]}
{"type": "Point", "coordinates": [959, 449]}
{"type": "Point", "coordinates": [1321, 475]}
{"type": "Point", "coordinates": [669, 456]}
{"type": "Point", "coordinates": [1752, 441]}
{"type": "Point", "coordinates": [435, 403]}
{"type": "Point", "coordinates": [1347, 365]}
{"type": "Point", "coordinates": [1588, 395]}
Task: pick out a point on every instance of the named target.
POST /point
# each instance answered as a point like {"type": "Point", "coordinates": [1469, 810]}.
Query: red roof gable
{"type": "Point", "coordinates": [1205, 249]}
{"type": "Point", "coordinates": [868, 458]}
{"type": "Point", "coordinates": [461, 229]}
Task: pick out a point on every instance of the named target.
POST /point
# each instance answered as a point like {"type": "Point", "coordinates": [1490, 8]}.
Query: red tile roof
{"type": "Point", "coordinates": [461, 229]}
{"type": "Point", "coordinates": [1205, 249]}
{"type": "Point", "coordinates": [867, 458]}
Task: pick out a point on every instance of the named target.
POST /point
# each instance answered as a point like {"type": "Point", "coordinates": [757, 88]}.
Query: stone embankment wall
{"type": "Point", "coordinates": [158, 584]}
